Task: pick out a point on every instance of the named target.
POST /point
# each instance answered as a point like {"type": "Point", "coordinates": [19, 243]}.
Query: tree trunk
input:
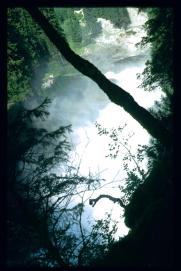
{"type": "Point", "coordinates": [115, 93]}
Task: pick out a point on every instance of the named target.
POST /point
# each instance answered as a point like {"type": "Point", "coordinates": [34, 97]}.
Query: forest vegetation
{"type": "Point", "coordinates": [42, 41]}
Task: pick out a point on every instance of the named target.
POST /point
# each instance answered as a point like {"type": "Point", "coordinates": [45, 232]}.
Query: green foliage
{"type": "Point", "coordinates": [69, 22]}
{"type": "Point", "coordinates": [159, 69]}
{"type": "Point", "coordinates": [29, 50]}
{"type": "Point", "coordinates": [26, 47]}
{"type": "Point", "coordinates": [51, 15]}
{"type": "Point", "coordinates": [163, 110]}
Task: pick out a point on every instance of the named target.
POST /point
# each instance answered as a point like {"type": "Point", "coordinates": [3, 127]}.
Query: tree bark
{"type": "Point", "coordinates": [115, 93]}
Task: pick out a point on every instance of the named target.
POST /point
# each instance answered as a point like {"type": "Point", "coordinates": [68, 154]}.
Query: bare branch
{"type": "Point", "coordinates": [115, 200]}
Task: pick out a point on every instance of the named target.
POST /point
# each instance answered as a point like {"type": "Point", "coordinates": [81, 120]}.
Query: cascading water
{"type": "Point", "coordinates": [81, 103]}
{"type": "Point", "coordinates": [137, 18]}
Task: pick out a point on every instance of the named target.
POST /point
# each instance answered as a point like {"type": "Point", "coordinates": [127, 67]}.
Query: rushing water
{"type": "Point", "coordinates": [80, 102]}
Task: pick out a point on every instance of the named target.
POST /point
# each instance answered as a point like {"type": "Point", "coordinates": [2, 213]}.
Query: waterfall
{"type": "Point", "coordinates": [120, 42]}
{"type": "Point", "coordinates": [137, 19]}
{"type": "Point", "coordinates": [81, 103]}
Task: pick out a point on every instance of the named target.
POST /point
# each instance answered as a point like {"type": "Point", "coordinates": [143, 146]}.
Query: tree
{"type": "Point", "coordinates": [115, 93]}
{"type": "Point", "coordinates": [132, 163]}
{"type": "Point", "coordinates": [119, 147]}
{"type": "Point", "coordinates": [44, 224]}
{"type": "Point", "coordinates": [26, 47]}
{"type": "Point", "coordinates": [149, 213]}
{"type": "Point", "coordinates": [29, 186]}
{"type": "Point", "coordinates": [70, 25]}
{"type": "Point", "coordinates": [159, 69]}
{"type": "Point", "coordinates": [150, 216]}
{"type": "Point", "coordinates": [52, 17]}
{"type": "Point", "coordinates": [39, 199]}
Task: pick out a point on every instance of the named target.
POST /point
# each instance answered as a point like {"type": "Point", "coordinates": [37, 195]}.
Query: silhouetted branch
{"type": "Point", "coordinates": [134, 160]}
{"type": "Point", "coordinates": [115, 200]}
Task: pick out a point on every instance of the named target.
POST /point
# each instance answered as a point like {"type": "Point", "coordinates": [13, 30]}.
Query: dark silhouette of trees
{"type": "Point", "coordinates": [32, 153]}
{"type": "Point", "coordinates": [115, 93]}
{"type": "Point", "coordinates": [150, 217]}
{"type": "Point", "coordinates": [35, 233]}
{"type": "Point", "coordinates": [26, 48]}
{"type": "Point", "coordinates": [159, 69]}
{"type": "Point", "coordinates": [44, 223]}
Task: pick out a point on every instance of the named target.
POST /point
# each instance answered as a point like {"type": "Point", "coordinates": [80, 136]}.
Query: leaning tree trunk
{"type": "Point", "coordinates": [115, 93]}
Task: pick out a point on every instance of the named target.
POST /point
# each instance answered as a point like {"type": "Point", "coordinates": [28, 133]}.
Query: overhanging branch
{"type": "Point", "coordinates": [115, 200]}
{"type": "Point", "coordinates": [115, 93]}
